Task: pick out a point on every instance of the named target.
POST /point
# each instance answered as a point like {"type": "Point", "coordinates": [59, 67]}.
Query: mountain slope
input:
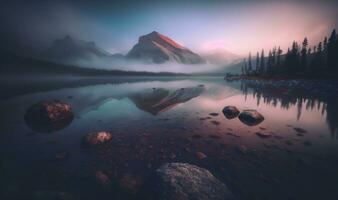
{"type": "Point", "coordinates": [157, 48]}
{"type": "Point", "coordinates": [69, 51]}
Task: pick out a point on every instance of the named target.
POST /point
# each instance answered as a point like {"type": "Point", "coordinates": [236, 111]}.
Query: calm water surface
{"type": "Point", "coordinates": [158, 121]}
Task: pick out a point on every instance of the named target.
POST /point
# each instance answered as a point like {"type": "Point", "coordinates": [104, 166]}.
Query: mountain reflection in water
{"type": "Point", "coordinates": [159, 100]}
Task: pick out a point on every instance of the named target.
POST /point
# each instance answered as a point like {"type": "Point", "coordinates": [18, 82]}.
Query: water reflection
{"type": "Point", "coordinates": [285, 98]}
{"type": "Point", "coordinates": [158, 100]}
{"type": "Point", "coordinates": [156, 122]}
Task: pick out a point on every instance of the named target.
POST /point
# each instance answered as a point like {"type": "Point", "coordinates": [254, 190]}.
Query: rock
{"type": "Point", "coordinates": [184, 181]}
{"type": "Point", "coordinates": [49, 116]}
{"type": "Point", "coordinates": [263, 134]}
{"type": "Point", "coordinates": [102, 178]}
{"type": "Point", "coordinates": [233, 134]}
{"type": "Point", "coordinates": [200, 155]}
{"type": "Point", "coordinates": [230, 112]}
{"type": "Point", "coordinates": [251, 117]}
{"type": "Point", "coordinates": [214, 136]}
{"type": "Point", "coordinates": [94, 139]}
{"type": "Point", "coordinates": [130, 183]}
{"type": "Point", "coordinates": [299, 130]}
{"type": "Point", "coordinates": [215, 122]}
{"type": "Point", "coordinates": [243, 149]}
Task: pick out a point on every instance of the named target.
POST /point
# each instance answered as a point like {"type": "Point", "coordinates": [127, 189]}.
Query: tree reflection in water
{"type": "Point", "coordinates": [286, 97]}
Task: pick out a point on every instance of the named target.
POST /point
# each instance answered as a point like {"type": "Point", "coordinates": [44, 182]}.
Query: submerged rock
{"type": "Point", "coordinates": [130, 183]}
{"type": "Point", "coordinates": [251, 117]}
{"type": "Point", "coordinates": [184, 181]}
{"type": "Point", "coordinates": [94, 139]}
{"type": "Point", "coordinates": [230, 112]}
{"type": "Point", "coordinates": [200, 155]}
{"type": "Point", "coordinates": [263, 134]}
{"type": "Point", "coordinates": [49, 116]}
{"type": "Point", "coordinates": [299, 130]}
{"type": "Point", "coordinates": [102, 178]}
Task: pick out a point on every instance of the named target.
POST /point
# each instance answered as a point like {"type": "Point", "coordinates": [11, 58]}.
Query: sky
{"type": "Point", "coordinates": [237, 26]}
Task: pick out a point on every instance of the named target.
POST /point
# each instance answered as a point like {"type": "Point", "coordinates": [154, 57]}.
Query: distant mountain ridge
{"type": "Point", "coordinates": [157, 48]}
{"type": "Point", "coordinates": [71, 48]}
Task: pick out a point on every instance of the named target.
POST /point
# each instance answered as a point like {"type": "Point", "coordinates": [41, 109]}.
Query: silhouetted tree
{"type": "Point", "coordinates": [299, 60]}
{"type": "Point", "coordinates": [257, 63]}
{"type": "Point", "coordinates": [249, 64]}
{"type": "Point", "coordinates": [304, 54]}
{"type": "Point", "coordinates": [332, 52]}
{"type": "Point", "coordinates": [245, 67]}
{"type": "Point", "coordinates": [262, 63]}
{"type": "Point", "coordinates": [279, 53]}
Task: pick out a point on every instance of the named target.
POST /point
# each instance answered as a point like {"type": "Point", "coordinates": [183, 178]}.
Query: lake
{"type": "Point", "coordinates": [292, 154]}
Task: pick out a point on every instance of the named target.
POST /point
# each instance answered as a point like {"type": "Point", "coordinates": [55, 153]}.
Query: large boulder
{"type": "Point", "coordinates": [95, 139]}
{"type": "Point", "coordinates": [49, 116]}
{"type": "Point", "coordinates": [251, 117]}
{"type": "Point", "coordinates": [182, 181]}
{"type": "Point", "coordinates": [230, 112]}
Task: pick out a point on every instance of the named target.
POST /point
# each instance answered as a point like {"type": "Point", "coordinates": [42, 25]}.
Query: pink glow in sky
{"type": "Point", "coordinates": [241, 28]}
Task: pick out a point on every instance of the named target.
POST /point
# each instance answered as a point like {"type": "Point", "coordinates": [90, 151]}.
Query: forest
{"type": "Point", "coordinates": [300, 61]}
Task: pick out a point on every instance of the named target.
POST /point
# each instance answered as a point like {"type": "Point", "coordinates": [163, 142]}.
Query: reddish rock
{"type": "Point", "coordinates": [94, 139]}
{"type": "Point", "coordinates": [49, 116]}
{"type": "Point", "coordinates": [215, 122]}
{"type": "Point", "coordinates": [200, 155]}
{"type": "Point", "coordinates": [130, 183]}
{"type": "Point", "coordinates": [102, 178]}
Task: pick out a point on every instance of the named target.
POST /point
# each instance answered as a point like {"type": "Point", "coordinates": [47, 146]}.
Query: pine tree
{"type": "Point", "coordinates": [262, 63]}
{"type": "Point", "coordinates": [332, 51]}
{"type": "Point", "coordinates": [249, 64]}
{"type": "Point", "coordinates": [257, 63]}
{"type": "Point", "coordinates": [304, 55]}
{"type": "Point", "coordinates": [245, 67]}
{"type": "Point", "coordinates": [279, 53]}
{"type": "Point", "coordinates": [269, 64]}
{"type": "Point", "coordinates": [273, 59]}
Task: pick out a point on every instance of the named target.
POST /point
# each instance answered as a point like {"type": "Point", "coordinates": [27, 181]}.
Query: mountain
{"type": "Point", "coordinates": [221, 57]}
{"type": "Point", "coordinates": [69, 50]}
{"type": "Point", "coordinates": [157, 48]}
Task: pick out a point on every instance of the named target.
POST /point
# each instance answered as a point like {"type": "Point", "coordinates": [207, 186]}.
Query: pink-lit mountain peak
{"type": "Point", "coordinates": [161, 39]}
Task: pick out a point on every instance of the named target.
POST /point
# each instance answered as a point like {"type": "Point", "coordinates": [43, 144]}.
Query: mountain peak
{"type": "Point", "coordinates": [159, 48]}
{"type": "Point", "coordinates": [161, 39]}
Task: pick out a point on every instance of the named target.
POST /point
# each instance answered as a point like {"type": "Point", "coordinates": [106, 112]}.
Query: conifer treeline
{"type": "Point", "coordinates": [300, 60]}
